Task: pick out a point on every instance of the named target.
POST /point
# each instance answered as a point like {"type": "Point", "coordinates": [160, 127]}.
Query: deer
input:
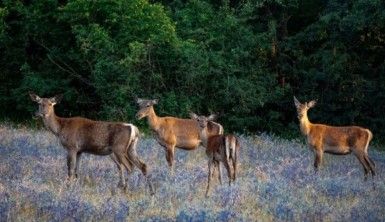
{"type": "Point", "coordinates": [337, 140]}
{"type": "Point", "coordinates": [171, 132]}
{"type": "Point", "coordinates": [80, 135]}
{"type": "Point", "coordinates": [219, 148]}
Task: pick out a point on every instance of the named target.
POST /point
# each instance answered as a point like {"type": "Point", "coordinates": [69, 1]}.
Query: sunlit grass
{"type": "Point", "coordinates": [276, 181]}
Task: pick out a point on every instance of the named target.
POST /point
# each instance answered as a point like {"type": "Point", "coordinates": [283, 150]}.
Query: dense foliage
{"type": "Point", "coordinates": [243, 59]}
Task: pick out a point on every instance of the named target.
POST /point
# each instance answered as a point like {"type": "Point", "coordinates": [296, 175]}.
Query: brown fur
{"type": "Point", "coordinates": [173, 132]}
{"type": "Point", "coordinates": [80, 135]}
{"type": "Point", "coordinates": [220, 148]}
{"type": "Point", "coordinates": [335, 140]}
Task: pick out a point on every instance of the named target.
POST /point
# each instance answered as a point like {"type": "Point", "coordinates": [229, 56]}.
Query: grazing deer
{"type": "Point", "coordinates": [171, 132]}
{"type": "Point", "coordinates": [80, 135]}
{"type": "Point", "coordinates": [220, 148]}
{"type": "Point", "coordinates": [335, 140]}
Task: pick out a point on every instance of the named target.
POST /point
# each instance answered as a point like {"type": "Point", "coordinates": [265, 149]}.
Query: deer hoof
{"type": "Point", "coordinates": [71, 178]}
{"type": "Point", "coordinates": [125, 189]}
{"type": "Point", "coordinates": [121, 184]}
{"type": "Point", "coordinates": [207, 194]}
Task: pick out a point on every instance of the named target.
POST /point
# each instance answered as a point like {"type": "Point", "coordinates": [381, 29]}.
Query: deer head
{"type": "Point", "coordinates": [145, 107]}
{"type": "Point", "coordinates": [45, 104]}
{"type": "Point", "coordinates": [303, 108]}
{"type": "Point", "coordinates": [202, 120]}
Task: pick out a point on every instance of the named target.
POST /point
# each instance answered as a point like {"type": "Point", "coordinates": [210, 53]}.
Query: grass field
{"type": "Point", "coordinates": [276, 182]}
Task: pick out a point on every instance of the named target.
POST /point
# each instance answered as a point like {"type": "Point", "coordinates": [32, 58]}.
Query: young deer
{"type": "Point", "coordinates": [335, 140]}
{"type": "Point", "coordinates": [173, 132]}
{"type": "Point", "coordinates": [80, 135]}
{"type": "Point", "coordinates": [220, 148]}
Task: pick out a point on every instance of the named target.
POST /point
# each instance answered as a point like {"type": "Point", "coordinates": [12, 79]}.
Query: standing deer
{"type": "Point", "coordinates": [335, 140]}
{"type": "Point", "coordinates": [80, 135]}
{"type": "Point", "coordinates": [173, 132]}
{"type": "Point", "coordinates": [219, 148]}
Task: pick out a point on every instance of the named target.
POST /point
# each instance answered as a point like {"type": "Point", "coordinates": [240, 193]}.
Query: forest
{"type": "Point", "coordinates": [241, 59]}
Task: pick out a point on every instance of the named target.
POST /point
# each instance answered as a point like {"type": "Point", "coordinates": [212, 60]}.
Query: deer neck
{"type": "Point", "coordinates": [305, 124]}
{"type": "Point", "coordinates": [52, 123]}
{"type": "Point", "coordinates": [153, 120]}
{"type": "Point", "coordinates": [203, 136]}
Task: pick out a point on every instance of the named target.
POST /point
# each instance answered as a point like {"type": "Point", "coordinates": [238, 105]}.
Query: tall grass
{"type": "Point", "coordinates": [276, 182]}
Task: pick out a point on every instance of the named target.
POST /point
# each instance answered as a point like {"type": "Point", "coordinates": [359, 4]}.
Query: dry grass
{"type": "Point", "coordinates": [276, 182]}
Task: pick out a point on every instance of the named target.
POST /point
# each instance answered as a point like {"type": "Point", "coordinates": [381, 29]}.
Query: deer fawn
{"type": "Point", "coordinates": [80, 135]}
{"type": "Point", "coordinates": [220, 148]}
{"type": "Point", "coordinates": [335, 140]}
{"type": "Point", "coordinates": [173, 132]}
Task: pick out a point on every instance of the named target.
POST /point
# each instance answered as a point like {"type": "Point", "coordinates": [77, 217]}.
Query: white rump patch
{"type": "Point", "coordinates": [134, 130]}
{"type": "Point", "coordinates": [227, 147]}
{"type": "Point", "coordinates": [220, 129]}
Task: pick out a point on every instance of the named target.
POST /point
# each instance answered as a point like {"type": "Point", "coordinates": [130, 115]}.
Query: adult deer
{"type": "Point", "coordinates": [220, 148]}
{"type": "Point", "coordinates": [173, 132]}
{"type": "Point", "coordinates": [335, 140]}
{"type": "Point", "coordinates": [80, 135]}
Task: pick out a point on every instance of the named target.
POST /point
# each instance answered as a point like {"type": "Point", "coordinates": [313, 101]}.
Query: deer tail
{"type": "Point", "coordinates": [370, 137]}
{"type": "Point", "coordinates": [220, 129]}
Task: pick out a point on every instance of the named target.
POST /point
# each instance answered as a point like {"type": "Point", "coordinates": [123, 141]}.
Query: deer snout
{"type": "Point", "coordinates": [139, 116]}
{"type": "Point", "coordinates": [38, 114]}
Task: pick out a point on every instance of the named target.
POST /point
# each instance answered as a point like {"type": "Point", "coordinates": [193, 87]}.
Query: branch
{"type": "Point", "coordinates": [68, 70]}
{"type": "Point", "coordinates": [71, 71]}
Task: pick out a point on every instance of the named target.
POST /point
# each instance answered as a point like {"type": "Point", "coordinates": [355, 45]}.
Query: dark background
{"type": "Point", "coordinates": [243, 60]}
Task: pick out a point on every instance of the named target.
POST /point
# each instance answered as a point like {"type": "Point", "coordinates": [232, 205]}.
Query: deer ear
{"type": "Point", "coordinates": [296, 102]}
{"type": "Point", "coordinates": [155, 101]}
{"type": "Point", "coordinates": [311, 104]}
{"type": "Point", "coordinates": [212, 117]}
{"type": "Point", "coordinates": [34, 97]}
{"type": "Point", "coordinates": [138, 100]}
{"type": "Point", "coordinates": [193, 115]}
{"type": "Point", "coordinates": [56, 99]}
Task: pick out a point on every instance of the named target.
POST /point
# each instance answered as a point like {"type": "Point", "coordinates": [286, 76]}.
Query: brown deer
{"type": "Point", "coordinates": [220, 148]}
{"type": "Point", "coordinates": [80, 135]}
{"type": "Point", "coordinates": [171, 132]}
{"type": "Point", "coordinates": [335, 140]}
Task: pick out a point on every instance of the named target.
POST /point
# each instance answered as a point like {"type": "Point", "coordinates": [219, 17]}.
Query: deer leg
{"type": "Point", "coordinates": [120, 157]}
{"type": "Point", "coordinates": [234, 160]}
{"type": "Point", "coordinates": [170, 158]}
{"type": "Point", "coordinates": [78, 155]}
{"type": "Point", "coordinates": [138, 163]}
{"type": "Point", "coordinates": [134, 159]}
{"type": "Point", "coordinates": [227, 166]}
{"type": "Point", "coordinates": [318, 159]}
{"type": "Point", "coordinates": [371, 161]}
{"type": "Point", "coordinates": [143, 167]}
{"type": "Point", "coordinates": [361, 158]}
{"type": "Point", "coordinates": [126, 163]}
{"type": "Point", "coordinates": [218, 166]}
{"type": "Point", "coordinates": [370, 164]}
{"type": "Point", "coordinates": [71, 164]}
{"type": "Point", "coordinates": [131, 151]}
{"type": "Point", "coordinates": [209, 177]}
{"type": "Point", "coordinates": [120, 167]}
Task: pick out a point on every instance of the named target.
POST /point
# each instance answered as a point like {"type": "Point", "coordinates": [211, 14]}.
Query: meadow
{"type": "Point", "coordinates": [276, 182]}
